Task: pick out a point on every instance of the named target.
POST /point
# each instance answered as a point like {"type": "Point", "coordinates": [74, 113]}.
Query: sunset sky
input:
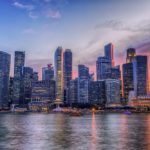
{"type": "Point", "coordinates": [84, 26]}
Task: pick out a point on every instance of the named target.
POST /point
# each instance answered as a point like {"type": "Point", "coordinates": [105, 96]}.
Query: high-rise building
{"type": "Point", "coordinates": [128, 83]}
{"type": "Point", "coordinates": [103, 65]}
{"type": "Point", "coordinates": [83, 83]}
{"type": "Point", "coordinates": [109, 53]}
{"type": "Point", "coordinates": [18, 77]}
{"type": "Point", "coordinates": [131, 53]}
{"type": "Point", "coordinates": [58, 72]}
{"type": "Point", "coordinates": [27, 81]}
{"type": "Point", "coordinates": [112, 90]}
{"type": "Point", "coordinates": [48, 72]}
{"type": "Point", "coordinates": [67, 68]}
{"type": "Point", "coordinates": [73, 91]}
{"type": "Point", "coordinates": [97, 92]}
{"type": "Point", "coordinates": [11, 93]}
{"type": "Point", "coordinates": [140, 75]}
{"type": "Point", "coordinates": [114, 73]}
{"type": "Point", "coordinates": [4, 78]}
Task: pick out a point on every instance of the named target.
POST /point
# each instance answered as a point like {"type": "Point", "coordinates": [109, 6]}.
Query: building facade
{"type": "Point", "coordinates": [43, 91]}
{"type": "Point", "coordinates": [67, 68]}
{"type": "Point", "coordinates": [131, 53]}
{"type": "Point", "coordinates": [58, 72]}
{"type": "Point", "coordinates": [18, 77]}
{"type": "Point", "coordinates": [97, 93]}
{"type": "Point", "coordinates": [140, 75]}
{"type": "Point", "coordinates": [112, 90]}
{"type": "Point", "coordinates": [109, 53]}
{"type": "Point", "coordinates": [103, 65]}
{"type": "Point", "coordinates": [83, 83]}
{"type": "Point", "coordinates": [48, 72]}
{"type": "Point", "coordinates": [4, 78]}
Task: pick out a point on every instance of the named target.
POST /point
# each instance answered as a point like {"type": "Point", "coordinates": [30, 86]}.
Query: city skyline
{"type": "Point", "coordinates": [42, 26]}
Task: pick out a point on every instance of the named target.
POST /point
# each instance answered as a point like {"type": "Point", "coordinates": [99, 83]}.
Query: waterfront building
{"type": "Point", "coordinates": [97, 93]}
{"type": "Point", "coordinates": [58, 72]}
{"type": "Point", "coordinates": [83, 83]}
{"type": "Point", "coordinates": [131, 53]}
{"type": "Point", "coordinates": [18, 77]}
{"type": "Point", "coordinates": [4, 78]}
{"type": "Point", "coordinates": [27, 81]}
{"type": "Point", "coordinates": [109, 53]}
{"type": "Point", "coordinates": [140, 75]}
{"type": "Point", "coordinates": [67, 70]}
{"type": "Point", "coordinates": [112, 90]}
{"type": "Point", "coordinates": [103, 65]}
{"type": "Point", "coordinates": [48, 72]}
{"type": "Point", "coordinates": [128, 83]}
{"type": "Point", "coordinates": [73, 91]}
{"type": "Point", "coordinates": [43, 90]}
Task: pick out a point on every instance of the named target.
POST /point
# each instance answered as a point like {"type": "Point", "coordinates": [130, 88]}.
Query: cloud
{"type": "Point", "coordinates": [28, 31]}
{"type": "Point", "coordinates": [23, 6]}
{"type": "Point", "coordinates": [118, 25]}
{"type": "Point", "coordinates": [53, 14]}
{"type": "Point", "coordinates": [33, 16]}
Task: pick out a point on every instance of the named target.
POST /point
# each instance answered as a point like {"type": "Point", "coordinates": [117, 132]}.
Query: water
{"type": "Point", "coordinates": [63, 132]}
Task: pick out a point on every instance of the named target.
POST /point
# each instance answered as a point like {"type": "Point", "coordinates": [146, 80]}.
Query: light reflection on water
{"type": "Point", "coordinates": [63, 132]}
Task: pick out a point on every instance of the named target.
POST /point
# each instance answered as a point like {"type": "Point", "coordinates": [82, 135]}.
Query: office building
{"type": "Point", "coordinates": [128, 83]}
{"type": "Point", "coordinates": [67, 68]}
{"type": "Point", "coordinates": [4, 78]}
{"type": "Point", "coordinates": [140, 75]}
{"type": "Point", "coordinates": [97, 93]}
{"type": "Point", "coordinates": [18, 77]}
{"type": "Point", "coordinates": [58, 72]}
{"type": "Point", "coordinates": [112, 90]}
{"type": "Point", "coordinates": [83, 83]}
{"type": "Point", "coordinates": [48, 72]}
{"type": "Point", "coordinates": [109, 53]}
{"type": "Point", "coordinates": [103, 65]}
{"type": "Point", "coordinates": [131, 53]}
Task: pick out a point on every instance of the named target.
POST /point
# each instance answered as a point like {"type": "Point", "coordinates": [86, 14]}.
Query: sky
{"type": "Point", "coordinates": [38, 27]}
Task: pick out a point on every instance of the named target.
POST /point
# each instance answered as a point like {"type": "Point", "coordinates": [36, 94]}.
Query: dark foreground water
{"type": "Point", "coordinates": [63, 132]}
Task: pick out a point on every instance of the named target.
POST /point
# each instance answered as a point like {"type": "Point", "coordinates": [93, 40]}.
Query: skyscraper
{"type": "Point", "coordinates": [83, 83]}
{"type": "Point", "coordinates": [103, 65]}
{"type": "Point", "coordinates": [4, 78]}
{"type": "Point", "coordinates": [27, 84]}
{"type": "Point", "coordinates": [131, 53]}
{"type": "Point", "coordinates": [112, 89]}
{"type": "Point", "coordinates": [140, 75]}
{"type": "Point", "coordinates": [58, 72]}
{"type": "Point", "coordinates": [48, 72]}
{"type": "Point", "coordinates": [109, 53]}
{"type": "Point", "coordinates": [128, 83]}
{"type": "Point", "coordinates": [97, 92]}
{"type": "Point", "coordinates": [18, 76]}
{"type": "Point", "coordinates": [67, 64]}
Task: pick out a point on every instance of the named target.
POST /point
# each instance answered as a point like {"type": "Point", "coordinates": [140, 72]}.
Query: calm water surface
{"type": "Point", "coordinates": [62, 132]}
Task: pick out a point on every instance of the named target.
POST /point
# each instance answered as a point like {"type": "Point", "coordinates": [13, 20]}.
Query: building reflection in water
{"type": "Point", "coordinates": [93, 133]}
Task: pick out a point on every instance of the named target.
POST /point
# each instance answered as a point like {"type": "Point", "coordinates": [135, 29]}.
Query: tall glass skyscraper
{"type": "Point", "coordinates": [58, 73]}
{"type": "Point", "coordinates": [4, 78]}
{"type": "Point", "coordinates": [18, 77]}
{"type": "Point", "coordinates": [131, 53]}
{"type": "Point", "coordinates": [48, 72]}
{"type": "Point", "coordinates": [109, 53]}
{"type": "Point", "coordinates": [67, 64]}
{"type": "Point", "coordinates": [140, 75]}
{"type": "Point", "coordinates": [83, 83]}
{"type": "Point", "coordinates": [103, 65]}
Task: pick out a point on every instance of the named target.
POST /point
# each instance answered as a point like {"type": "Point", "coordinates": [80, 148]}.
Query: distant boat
{"type": "Point", "coordinates": [127, 112]}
